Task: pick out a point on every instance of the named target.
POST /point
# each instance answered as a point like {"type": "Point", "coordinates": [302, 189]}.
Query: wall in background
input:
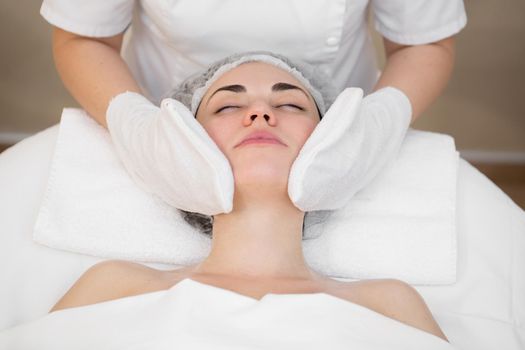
{"type": "Point", "coordinates": [482, 107]}
{"type": "Point", "coordinates": [31, 93]}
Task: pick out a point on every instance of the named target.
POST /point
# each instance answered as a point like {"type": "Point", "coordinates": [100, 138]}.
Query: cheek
{"type": "Point", "coordinates": [220, 134]}
{"type": "Point", "coordinates": [304, 131]}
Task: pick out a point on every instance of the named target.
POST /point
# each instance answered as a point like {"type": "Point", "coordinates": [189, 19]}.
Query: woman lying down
{"type": "Point", "coordinates": [254, 289]}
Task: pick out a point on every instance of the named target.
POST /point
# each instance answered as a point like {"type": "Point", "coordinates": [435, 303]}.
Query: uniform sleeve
{"type": "Point", "coordinates": [413, 22]}
{"type": "Point", "coordinates": [93, 18]}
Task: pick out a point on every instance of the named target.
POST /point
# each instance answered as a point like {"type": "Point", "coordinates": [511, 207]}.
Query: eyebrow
{"type": "Point", "coordinates": [233, 88]}
{"type": "Point", "coordinates": [276, 87]}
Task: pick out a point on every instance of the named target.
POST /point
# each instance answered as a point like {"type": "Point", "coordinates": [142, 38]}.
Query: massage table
{"type": "Point", "coordinates": [483, 309]}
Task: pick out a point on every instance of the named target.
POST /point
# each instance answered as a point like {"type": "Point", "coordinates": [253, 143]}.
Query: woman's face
{"type": "Point", "coordinates": [256, 96]}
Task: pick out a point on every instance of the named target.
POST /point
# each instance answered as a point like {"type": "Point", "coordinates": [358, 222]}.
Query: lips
{"type": "Point", "coordinates": [260, 135]}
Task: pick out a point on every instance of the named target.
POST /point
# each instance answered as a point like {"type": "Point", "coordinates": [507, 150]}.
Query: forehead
{"type": "Point", "coordinates": [254, 73]}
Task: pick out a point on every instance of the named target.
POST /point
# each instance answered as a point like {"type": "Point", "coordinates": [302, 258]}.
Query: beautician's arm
{"type": "Point", "coordinates": [420, 71]}
{"type": "Point", "coordinates": [92, 70]}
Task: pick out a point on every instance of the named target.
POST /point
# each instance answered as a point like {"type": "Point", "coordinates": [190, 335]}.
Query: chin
{"type": "Point", "coordinates": [261, 177]}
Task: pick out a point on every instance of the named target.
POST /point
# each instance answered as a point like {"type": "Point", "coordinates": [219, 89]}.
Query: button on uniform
{"type": "Point", "coordinates": [332, 40]}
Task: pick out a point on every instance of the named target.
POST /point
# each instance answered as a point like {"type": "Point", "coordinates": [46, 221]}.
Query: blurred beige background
{"type": "Point", "coordinates": [482, 107]}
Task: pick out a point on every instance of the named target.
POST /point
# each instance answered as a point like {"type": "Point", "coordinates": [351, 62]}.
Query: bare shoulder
{"type": "Point", "coordinates": [109, 280]}
{"type": "Point", "coordinates": [397, 300]}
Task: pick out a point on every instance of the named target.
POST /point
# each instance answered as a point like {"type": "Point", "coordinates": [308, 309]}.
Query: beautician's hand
{"type": "Point", "coordinates": [168, 153]}
{"type": "Point", "coordinates": [353, 142]}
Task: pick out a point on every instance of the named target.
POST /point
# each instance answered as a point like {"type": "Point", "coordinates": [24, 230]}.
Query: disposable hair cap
{"type": "Point", "coordinates": [191, 91]}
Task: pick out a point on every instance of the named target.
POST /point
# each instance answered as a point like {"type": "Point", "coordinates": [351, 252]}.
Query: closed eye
{"type": "Point", "coordinates": [283, 105]}
{"type": "Point", "coordinates": [223, 108]}
{"type": "Point", "coordinates": [292, 105]}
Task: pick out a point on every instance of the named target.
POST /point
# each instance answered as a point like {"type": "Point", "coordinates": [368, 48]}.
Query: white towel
{"type": "Point", "coordinates": [402, 225]}
{"type": "Point", "coordinates": [193, 315]}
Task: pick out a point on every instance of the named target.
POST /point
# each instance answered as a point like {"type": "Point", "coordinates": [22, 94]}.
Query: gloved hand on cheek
{"type": "Point", "coordinates": [353, 142]}
{"type": "Point", "coordinates": [167, 152]}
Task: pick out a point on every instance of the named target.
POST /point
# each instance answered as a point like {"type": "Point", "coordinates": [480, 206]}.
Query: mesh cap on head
{"type": "Point", "coordinates": [191, 91]}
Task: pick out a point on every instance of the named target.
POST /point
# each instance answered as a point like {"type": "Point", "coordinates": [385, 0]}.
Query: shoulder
{"type": "Point", "coordinates": [106, 280]}
{"type": "Point", "coordinates": [398, 300]}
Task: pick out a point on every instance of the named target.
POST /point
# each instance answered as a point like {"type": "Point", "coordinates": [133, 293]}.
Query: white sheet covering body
{"type": "Point", "coordinates": [194, 315]}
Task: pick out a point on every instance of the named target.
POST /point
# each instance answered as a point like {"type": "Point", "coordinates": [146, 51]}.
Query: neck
{"type": "Point", "coordinates": [258, 239]}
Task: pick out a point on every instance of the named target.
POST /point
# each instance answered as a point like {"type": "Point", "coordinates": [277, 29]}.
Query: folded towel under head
{"type": "Point", "coordinates": [402, 225]}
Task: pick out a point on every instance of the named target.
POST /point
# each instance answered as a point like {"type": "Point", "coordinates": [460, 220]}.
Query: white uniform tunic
{"type": "Point", "coordinates": [192, 315]}
{"type": "Point", "coordinates": [171, 39]}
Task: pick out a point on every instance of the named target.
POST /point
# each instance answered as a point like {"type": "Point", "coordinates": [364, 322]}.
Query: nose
{"type": "Point", "coordinates": [259, 111]}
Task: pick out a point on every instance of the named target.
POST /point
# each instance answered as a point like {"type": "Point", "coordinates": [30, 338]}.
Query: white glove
{"type": "Point", "coordinates": [167, 152]}
{"type": "Point", "coordinates": [354, 141]}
